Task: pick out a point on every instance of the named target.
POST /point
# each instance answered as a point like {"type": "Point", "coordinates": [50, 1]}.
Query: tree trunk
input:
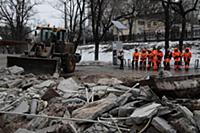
{"type": "Point", "coordinates": [130, 38]}
{"type": "Point", "coordinates": [96, 56]}
{"type": "Point", "coordinates": [167, 25]}
{"type": "Point", "coordinates": [183, 32]}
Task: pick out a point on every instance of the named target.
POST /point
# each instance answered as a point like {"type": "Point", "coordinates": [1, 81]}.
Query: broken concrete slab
{"type": "Point", "coordinates": [49, 129]}
{"type": "Point", "coordinates": [162, 125]}
{"type": "Point", "coordinates": [23, 107]}
{"type": "Point", "coordinates": [46, 83]}
{"type": "Point", "coordinates": [49, 94]}
{"type": "Point", "coordinates": [23, 131]}
{"type": "Point", "coordinates": [125, 111]}
{"type": "Point", "coordinates": [187, 113]}
{"type": "Point", "coordinates": [123, 99]}
{"type": "Point", "coordinates": [16, 70]}
{"type": "Point", "coordinates": [109, 81]}
{"type": "Point", "coordinates": [145, 112]}
{"type": "Point", "coordinates": [183, 125]}
{"type": "Point", "coordinates": [98, 128]}
{"type": "Point", "coordinates": [68, 85]}
{"type": "Point", "coordinates": [197, 118]}
{"type": "Point", "coordinates": [164, 74]}
{"type": "Point", "coordinates": [93, 110]}
{"type": "Point", "coordinates": [38, 123]}
{"type": "Point", "coordinates": [15, 83]}
{"type": "Point", "coordinates": [122, 87]}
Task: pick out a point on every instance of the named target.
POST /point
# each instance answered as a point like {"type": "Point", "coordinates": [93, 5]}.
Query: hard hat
{"type": "Point", "coordinates": [175, 49]}
{"type": "Point", "coordinates": [187, 48]}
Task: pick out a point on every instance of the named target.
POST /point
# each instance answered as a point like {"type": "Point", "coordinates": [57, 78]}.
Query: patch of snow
{"type": "Point", "coordinates": [87, 52]}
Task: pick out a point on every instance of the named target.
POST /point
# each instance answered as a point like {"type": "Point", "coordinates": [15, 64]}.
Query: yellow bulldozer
{"type": "Point", "coordinates": [48, 52]}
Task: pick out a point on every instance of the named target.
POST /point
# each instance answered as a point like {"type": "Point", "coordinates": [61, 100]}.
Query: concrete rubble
{"type": "Point", "coordinates": [49, 104]}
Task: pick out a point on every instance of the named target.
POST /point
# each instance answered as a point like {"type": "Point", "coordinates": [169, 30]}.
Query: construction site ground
{"type": "Point", "coordinates": [96, 94]}
{"type": "Point", "coordinates": [92, 73]}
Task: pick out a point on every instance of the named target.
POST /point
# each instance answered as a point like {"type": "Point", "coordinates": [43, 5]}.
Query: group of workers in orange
{"type": "Point", "coordinates": [148, 59]}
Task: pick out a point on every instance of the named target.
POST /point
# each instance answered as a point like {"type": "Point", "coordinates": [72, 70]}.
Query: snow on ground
{"type": "Point", "coordinates": [87, 52]}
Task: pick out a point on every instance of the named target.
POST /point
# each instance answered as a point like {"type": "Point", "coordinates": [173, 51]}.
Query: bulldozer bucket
{"type": "Point", "coordinates": [33, 65]}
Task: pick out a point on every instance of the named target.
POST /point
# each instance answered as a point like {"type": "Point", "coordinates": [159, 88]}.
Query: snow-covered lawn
{"type": "Point", "coordinates": [105, 53]}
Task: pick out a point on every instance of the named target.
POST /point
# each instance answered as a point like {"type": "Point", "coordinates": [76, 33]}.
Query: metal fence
{"type": "Point", "coordinates": [153, 36]}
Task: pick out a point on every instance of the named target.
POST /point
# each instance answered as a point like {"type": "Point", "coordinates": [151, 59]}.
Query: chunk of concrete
{"type": "Point", "coordinates": [93, 110]}
{"type": "Point", "coordinates": [23, 131]}
{"type": "Point", "coordinates": [46, 83]}
{"type": "Point", "coordinates": [68, 85]}
{"type": "Point", "coordinates": [183, 125]}
{"type": "Point", "coordinates": [145, 112]}
{"type": "Point", "coordinates": [48, 129]}
{"type": "Point", "coordinates": [187, 113]}
{"type": "Point", "coordinates": [38, 123]}
{"type": "Point", "coordinates": [98, 128]}
{"type": "Point", "coordinates": [22, 108]}
{"type": "Point", "coordinates": [109, 81]}
{"type": "Point", "coordinates": [49, 94]}
{"type": "Point", "coordinates": [15, 83]}
{"type": "Point", "coordinates": [16, 70]}
{"type": "Point", "coordinates": [164, 74]}
{"type": "Point", "coordinates": [125, 111]}
{"type": "Point", "coordinates": [122, 87]}
{"type": "Point", "coordinates": [162, 125]}
{"type": "Point", "coordinates": [197, 118]}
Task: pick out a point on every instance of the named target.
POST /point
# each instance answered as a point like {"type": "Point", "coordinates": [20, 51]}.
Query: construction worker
{"type": "Point", "coordinates": [135, 60]}
{"type": "Point", "coordinates": [143, 58]}
{"type": "Point", "coordinates": [121, 58]}
{"type": "Point", "coordinates": [167, 59]}
{"type": "Point", "coordinates": [159, 57]}
{"type": "Point", "coordinates": [177, 59]}
{"type": "Point", "coordinates": [150, 57]}
{"type": "Point", "coordinates": [154, 58]}
{"type": "Point", "coordinates": [187, 55]}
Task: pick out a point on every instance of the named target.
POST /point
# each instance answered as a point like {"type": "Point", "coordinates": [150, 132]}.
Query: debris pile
{"type": "Point", "coordinates": [45, 104]}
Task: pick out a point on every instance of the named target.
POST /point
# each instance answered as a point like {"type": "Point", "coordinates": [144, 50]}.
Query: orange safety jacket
{"type": "Point", "coordinates": [154, 55]}
{"type": "Point", "coordinates": [143, 56]}
{"type": "Point", "coordinates": [177, 56]}
{"type": "Point", "coordinates": [187, 56]}
{"type": "Point", "coordinates": [160, 56]}
{"type": "Point", "coordinates": [150, 57]}
{"type": "Point", "coordinates": [136, 56]}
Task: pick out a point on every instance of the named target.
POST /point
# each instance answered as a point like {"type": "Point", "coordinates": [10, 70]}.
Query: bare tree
{"type": "Point", "coordinates": [16, 15]}
{"type": "Point", "coordinates": [102, 13]}
{"type": "Point", "coordinates": [166, 7]}
{"type": "Point", "coordinates": [74, 18]}
{"type": "Point", "coordinates": [183, 8]}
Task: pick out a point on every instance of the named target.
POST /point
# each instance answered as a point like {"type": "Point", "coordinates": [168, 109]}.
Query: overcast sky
{"type": "Point", "coordinates": [48, 15]}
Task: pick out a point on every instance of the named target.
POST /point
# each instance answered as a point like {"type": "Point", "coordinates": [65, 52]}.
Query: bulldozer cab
{"type": "Point", "coordinates": [47, 34]}
{"type": "Point", "coordinates": [56, 37]}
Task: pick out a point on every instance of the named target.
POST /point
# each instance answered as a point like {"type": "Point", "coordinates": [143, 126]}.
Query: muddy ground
{"type": "Point", "coordinates": [91, 73]}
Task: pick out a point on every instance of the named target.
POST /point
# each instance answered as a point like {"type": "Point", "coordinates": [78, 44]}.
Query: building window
{"type": "Point", "coordinates": [154, 24]}
{"type": "Point", "coordinates": [141, 22]}
{"type": "Point", "coordinates": [149, 25]}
